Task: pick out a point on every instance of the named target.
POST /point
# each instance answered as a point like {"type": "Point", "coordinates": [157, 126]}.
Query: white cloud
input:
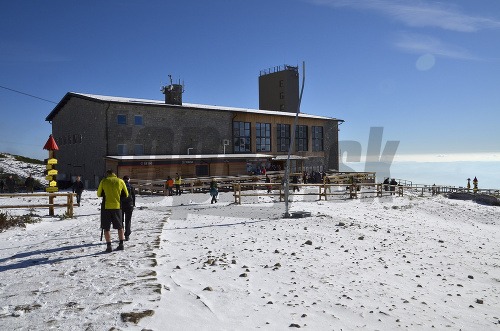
{"type": "Point", "coordinates": [420, 13]}
{"type": "Point", "coordinates": [434, 158]}
{"type": "Point", "coordinates": [423, 44]}
{"type": "Point", "coordinates": [452, 157]}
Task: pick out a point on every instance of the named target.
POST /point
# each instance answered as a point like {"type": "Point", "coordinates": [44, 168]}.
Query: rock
{"type": "Point", "coordinates": [308, 243]}
{"type": "Point", "coordinates": [470, 277]}
{"type": "Point", "coordinates": [361, 238]}
{"type": "Point", "coordinates": [479, 301]}
{"type": "Point", "coordinates": [208, 288]}
{"type": "Point", "coordinates": [441, 241]}
{"type": "Point", "coordinates": [177, 267]}
{"type": "Point", "coordinates": [269, 302]}
{"type": "Point", "coordinates": [293, 325]}
{"type": "Point", "coordinates": [233, 262]}
{"type": "Point", "coordinates": [341, 224]}
{"type": "Point", "coordinates": [244, 275]}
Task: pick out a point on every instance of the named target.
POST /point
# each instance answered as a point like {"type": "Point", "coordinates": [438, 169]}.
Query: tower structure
{"type": "Point", "coordinates": [279, 89]}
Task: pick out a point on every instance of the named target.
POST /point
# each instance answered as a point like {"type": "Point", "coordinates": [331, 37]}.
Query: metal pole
{"type": "Point", "coordinates": [292, 142]}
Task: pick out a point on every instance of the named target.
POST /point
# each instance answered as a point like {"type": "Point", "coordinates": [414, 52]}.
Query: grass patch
{"type": "Point", "coordinates": [7, 221]}
{"type": "Point", "coordinates": [27, 159]}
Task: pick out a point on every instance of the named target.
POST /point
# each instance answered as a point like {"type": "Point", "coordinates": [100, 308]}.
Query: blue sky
{"type": "Point", "coordinates": [426, 71]}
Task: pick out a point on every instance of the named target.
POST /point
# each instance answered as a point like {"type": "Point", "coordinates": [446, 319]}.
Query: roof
{"type": "Point", "coordinates": [187, 157]}
{"type": "Point", "coordinates": [103, 98]}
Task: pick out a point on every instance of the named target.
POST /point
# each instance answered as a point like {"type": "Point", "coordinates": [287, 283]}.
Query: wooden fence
{"type": "Point", "coordinates": [50, 196]}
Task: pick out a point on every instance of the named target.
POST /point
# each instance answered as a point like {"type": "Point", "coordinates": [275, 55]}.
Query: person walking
{"type": "Point", "coordinates": [78, 189]}
{"type": "Point", "coordinates": [214, 191]}
{"type": "Point", "coordinates": [30, 184]}
{"type": "Point", "coordinates": [177, 182]}
{"type": "Point", "coordinates": [128, 204]}
{"type": "Point", "coordinates": [170, 186]}
{"type": "Point", "coordinates": [386, 184]}
{"type": "Point", "coordinates": [295, 181]}
{"type": "Point", "coordinates": [111, 188]}
{"type": "Point", "coordinates": [268, 180]}
{"type": "Point", "coordinates": [393, 183]}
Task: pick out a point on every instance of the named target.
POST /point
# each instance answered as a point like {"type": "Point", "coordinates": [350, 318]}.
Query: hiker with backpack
{"type": "Point", "coordinates": [127, 205]}
{"type": "Point", "coordinates": [111, 188]}
{"type": "Point", "coordinates": [214, 192]}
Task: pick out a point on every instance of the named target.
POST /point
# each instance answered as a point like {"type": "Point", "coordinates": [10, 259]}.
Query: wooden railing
{"type": "Point", "coordinates": [50, 196]}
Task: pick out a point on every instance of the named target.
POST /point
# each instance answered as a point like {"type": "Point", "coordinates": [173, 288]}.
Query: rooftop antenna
{"type": "Point", "coordinates": [173, 92]}
{"type": "Point", "coordinates": [292, 141]}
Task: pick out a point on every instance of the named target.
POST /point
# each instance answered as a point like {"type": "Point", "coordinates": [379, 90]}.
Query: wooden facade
{"type": "Point", "coordinates": [189, 166]}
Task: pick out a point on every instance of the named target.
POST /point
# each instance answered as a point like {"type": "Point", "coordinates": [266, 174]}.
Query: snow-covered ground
{"type": "Point", "coordinates": [10, 166]}
{"type": "Point", "coordinates": [400, 263]}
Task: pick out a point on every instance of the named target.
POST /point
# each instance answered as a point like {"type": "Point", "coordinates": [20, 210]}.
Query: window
{"type": "Point", "coordinates": [263, 137]}
{"type": "Point", "coordinates": [202, 170]}
{"type": "Point", "coordinates": [282, 107]}
{"type": "Point", "coordinates": [77, 138]}
{"type": "Point", "coordinates": [283, 135]}
{"type": "Point", "coordinates": [121, 119]}
{"type": "Point", "coordinates": [121, 149]}
{"type": "Point", "coordinates": [138, 119]}
{"type": "Point", "coordinates": [301, 140]}
{"type": "Point", "coordinates": [282, 95]}
{"type": "Point", "coordinates": [317, 139]}
{"type": "Point", "coordinates": [241, 137]}
{"type": "Point", "coordinates": [138, 149]}
{"type": "Point", "coordinates": [282, 83]}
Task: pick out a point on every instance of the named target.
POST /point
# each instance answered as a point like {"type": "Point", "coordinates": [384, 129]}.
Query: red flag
{"type": "Point", "coordinates": [51, 144]}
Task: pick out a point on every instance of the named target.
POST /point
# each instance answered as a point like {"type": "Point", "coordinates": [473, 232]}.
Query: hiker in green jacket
{"type": "Point", "coordinates": [111, 189]}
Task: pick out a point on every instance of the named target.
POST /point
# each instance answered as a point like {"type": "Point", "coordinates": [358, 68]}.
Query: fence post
{"type": "Point", "coordinates": [51, 203]}
{"type": "Point", "coordinates": [69, 202]}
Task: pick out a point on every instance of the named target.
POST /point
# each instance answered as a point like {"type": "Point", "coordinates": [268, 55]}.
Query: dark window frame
{"type": "Point", "coordinates": [318, 139]}
{"type": "Point", "coordinates": [283, 137]}
{"type": "Point", "coordinates": [301, 138]}
{"type": "Point", "coordinates": [242, 137]}
{"type": "Point", "coordinates": [263, 137]}
{"type": "Point", "coordinates": [123, 150]}
{"type": "Point", "coordinates": [138, 118]}
{"type": "Point", "coordinates": [121, 119]}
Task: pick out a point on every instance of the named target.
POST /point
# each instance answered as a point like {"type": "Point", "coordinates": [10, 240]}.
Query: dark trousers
{"type": "Point", "coordinates": [127, 219]}
{"type": "Point", "coordinates": [177, 189]}
{"type": "Point", "coordinates": [78, 198]}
